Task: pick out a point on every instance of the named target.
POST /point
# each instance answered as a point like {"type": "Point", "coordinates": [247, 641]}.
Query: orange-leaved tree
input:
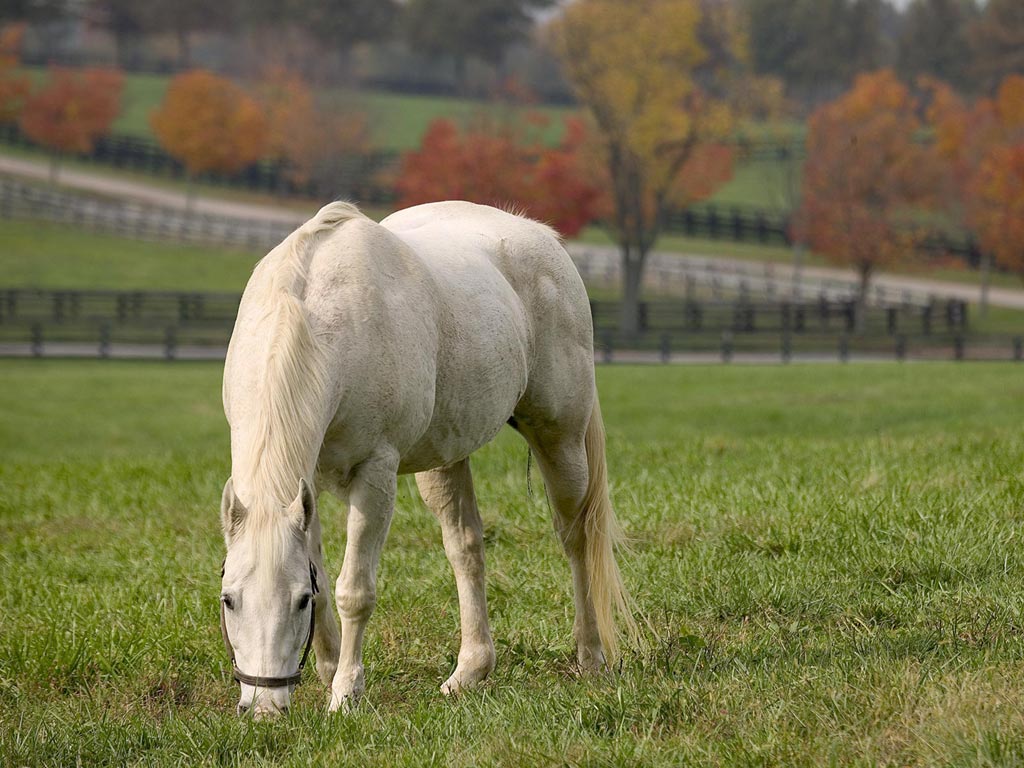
{"type": "Point", "coordinates": [305, 139]}
{"type": "Point", "coordinates": [209, 124]}
{"type": "Point", "coordinates": [998, 216]}
{"type": "Point", "coordinates": [14, 84]}
{"type": "Point", "coordinates": [971, 140]}
{"type": "Point", "coordinates": [504, 167]}
{"type": "Point", "coordinates": [865, 174]}
{"type": "Point", "coordinates": [71, 110]}
{"type": "Point", "coordinates": [652, 75]}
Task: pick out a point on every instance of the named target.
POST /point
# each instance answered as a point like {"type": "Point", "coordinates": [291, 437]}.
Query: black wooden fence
{"type": "Point", "coordinates": [188, 324]}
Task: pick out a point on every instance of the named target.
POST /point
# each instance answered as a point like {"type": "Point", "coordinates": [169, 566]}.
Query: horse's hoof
{"type": "Point", "coordinates": [471, 672]}
{"type": "Point", "coordinates": [343, 704]}
{"type": "Point", "coordinates": [591, 661]}
{"type": "Point", "coordinates": [347, 689]}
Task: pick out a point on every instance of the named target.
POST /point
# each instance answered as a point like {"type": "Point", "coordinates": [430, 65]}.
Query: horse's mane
{"type": "Point", "coordinates": [289, 411]}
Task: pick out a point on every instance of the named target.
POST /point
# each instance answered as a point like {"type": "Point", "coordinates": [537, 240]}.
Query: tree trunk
{"type": "Point", "coordinates": [986, 283]}
{"type": "Point", "coordinates": [184, 49]}
{"type": "Point", "coordinates": [190, 195]}
{"type": "Point", "coordinates": [798, 264]}
{"type": "Point", "coordinates": [632, 285]}
{"type": "Point", "coordinates": [861, 307]}
{"type": "Point", "coordinates": [54, 169]}
{"type": "Point", "coordinates": [460, 74]}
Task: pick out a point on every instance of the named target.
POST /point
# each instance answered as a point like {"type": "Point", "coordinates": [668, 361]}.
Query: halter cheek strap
{"type": "Point", "coordinates": [273, 682]}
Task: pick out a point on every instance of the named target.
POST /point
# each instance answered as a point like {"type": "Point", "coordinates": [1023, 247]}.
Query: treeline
{"type": "Point", "coordinates": [815, 48]}
{"type": "Point", "coordinates": [818, 47]}
{"type": "Point", "coordinates": [457, 45]}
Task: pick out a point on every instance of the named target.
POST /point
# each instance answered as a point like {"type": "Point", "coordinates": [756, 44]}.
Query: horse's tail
{"type": "Point", "coordinates": [602, 534]}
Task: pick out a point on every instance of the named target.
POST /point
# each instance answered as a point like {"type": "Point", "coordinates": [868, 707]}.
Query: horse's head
{"type": "Point", "coordinates": [267, 599]}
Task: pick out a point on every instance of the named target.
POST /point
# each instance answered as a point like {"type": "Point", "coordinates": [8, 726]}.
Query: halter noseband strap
{"type": "Point", "coordinates": [273, 682]}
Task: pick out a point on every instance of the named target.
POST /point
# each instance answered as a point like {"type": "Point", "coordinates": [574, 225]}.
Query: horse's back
{"type": "Point", "coordinates": [533, 264]}
{"type": "Point", "coordinates": [528, 256]}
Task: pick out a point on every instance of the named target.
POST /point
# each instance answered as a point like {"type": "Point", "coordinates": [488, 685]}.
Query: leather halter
{"type": "Point", "coordinates": [273, 682]}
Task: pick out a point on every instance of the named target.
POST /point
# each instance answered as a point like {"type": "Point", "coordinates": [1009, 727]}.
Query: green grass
{"type": "Point", "coordinates": [828, 559]}
{"type": "Point", "coordinates": [42, 255]}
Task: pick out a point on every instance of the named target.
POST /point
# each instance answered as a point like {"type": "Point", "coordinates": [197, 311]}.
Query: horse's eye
{"type": "Point", "coordinates": [228, 602]}
{"type": "Point", "coordinates": [303, 602]}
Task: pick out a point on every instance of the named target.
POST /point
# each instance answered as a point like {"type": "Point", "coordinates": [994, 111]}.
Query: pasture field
{"type": "Point", "coordinates": [827, 559]}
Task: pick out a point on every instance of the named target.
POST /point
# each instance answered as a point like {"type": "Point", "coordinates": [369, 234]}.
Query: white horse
{"type": "Point", "coordinates": [363, 351]}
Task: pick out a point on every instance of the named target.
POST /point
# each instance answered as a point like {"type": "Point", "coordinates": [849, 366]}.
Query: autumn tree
{"type": "Point", "coordinates": [865, 172]}
{"type": "Point", "coordinates": [71, 110]}
{"type": "Point", "coordinates": [210, 125]}
{"type": "Point", "coordinates": [977, 147]}
{"type": "Point", "coordinates": [634, 66]}
{"type": "Point", "coordinates": [305, 139]}
{"type": "Point", "coordinates": [998, 219]}
{"type": "Point", "coordinates": [14, 84]}
{"type": "Point", "coordinates": [501, 166]}
{"type": "Point", "coordinates": [967, 139]}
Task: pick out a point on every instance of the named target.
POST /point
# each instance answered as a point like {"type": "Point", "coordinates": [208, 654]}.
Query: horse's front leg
{"type": "Point", "coordinates": [326, 638]}
{"type": "Point", "coordinates": [371, 504]}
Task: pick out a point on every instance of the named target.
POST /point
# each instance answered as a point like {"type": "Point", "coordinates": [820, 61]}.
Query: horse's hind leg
{"type": "Point", "coordinates": [562, 459]}
{"type": "Point", "coordinates": [448, 492]}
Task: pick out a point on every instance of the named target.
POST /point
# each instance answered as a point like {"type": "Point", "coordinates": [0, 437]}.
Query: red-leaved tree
{"type": "Point", "coordinates": [503, 167]}
{"type": "Point", "coordinates": [14, 85]}
{"type": "Point", "coordinates": [72, 110]}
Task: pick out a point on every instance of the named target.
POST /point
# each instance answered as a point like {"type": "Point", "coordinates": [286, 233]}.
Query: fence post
{"type": "Point", "coordinates": [105, 340]}
{"type": "Point", "coordinates": [891, 320]}
{"type": "Point", "coordinates": [958, 347]}
{"type": "Point", "coordinates": [666, 348]}
{"type": "Point", "coordinates": [726, 347]}
{"type": "Point", "coordinates": [170, 343]}
{"type": "Point", "coordinates": [844, 347]}
{"type": "Point", "coordinates": [901, 347]}
{"type": "Point", "coordinates": [787, 347]}
{"type": "Point", "coordinates": [37, 340]}
{"type": "Point", "coordinates": [1018, 348]}
{"type": "Point", "coordinates": [607, 346]}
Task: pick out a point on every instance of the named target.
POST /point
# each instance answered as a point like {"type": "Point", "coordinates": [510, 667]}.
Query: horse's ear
{"type": "Point", "coordinates": [232, 513]}
{"type": "Point", "coordinates": [304, 506]}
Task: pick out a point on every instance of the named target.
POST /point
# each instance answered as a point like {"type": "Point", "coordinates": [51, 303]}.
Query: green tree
{"type": "Point", "coordinates": [815, 46]}
{"type": "Point", "coordinates": [183, 18]}
{"type": "Point", "coordinates": [483, 29]}
{"type": "Point", "coordinates": [933, 40]}
{"type": "Point", "coordinates": [997, 42]}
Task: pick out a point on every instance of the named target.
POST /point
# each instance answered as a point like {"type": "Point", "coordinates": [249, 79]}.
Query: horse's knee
{"type": "Point", "coordinates": [355, 604]}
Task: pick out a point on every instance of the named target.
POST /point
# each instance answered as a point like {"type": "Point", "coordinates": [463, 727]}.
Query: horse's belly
{"type": "Point", "coordinates": [482, 374]}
